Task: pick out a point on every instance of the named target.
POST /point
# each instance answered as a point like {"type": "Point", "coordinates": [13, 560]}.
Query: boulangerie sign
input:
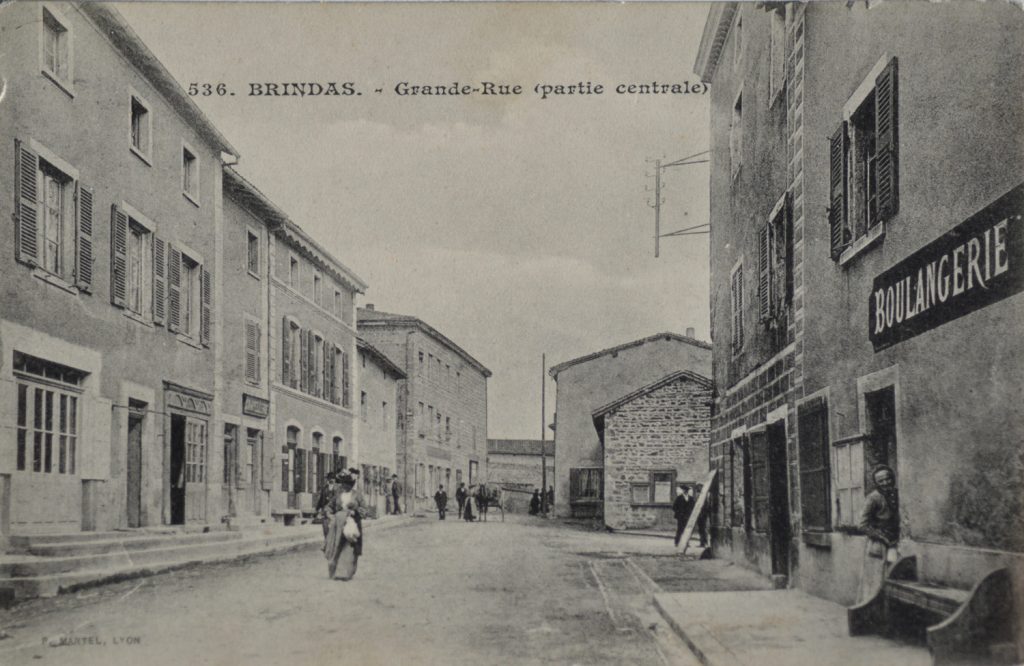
{"type": "Point", "coordinates": [974, 264]}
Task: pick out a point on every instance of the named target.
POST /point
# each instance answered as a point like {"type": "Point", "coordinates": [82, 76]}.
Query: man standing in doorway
{"type": "Point", "coordinates": [880, 522]}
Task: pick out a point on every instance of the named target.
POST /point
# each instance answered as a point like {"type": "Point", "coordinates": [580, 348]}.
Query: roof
{"type": "Point", "coordinates": [379, 357]}
{"type": "Point", "coordinates": [519, 447]}
{"type": "Point", "coordinates": [116, 28]}
{"type": "Point", "coordinates": [716, 30]}
{"type": "Point", "coordinates": [376, 319]}
{"type": "Point", "coordinates": [650, 388]}
{"type": "Point", "coordinates": [635, 343]}
{"type": "Point", "coordinates": [247, 194]}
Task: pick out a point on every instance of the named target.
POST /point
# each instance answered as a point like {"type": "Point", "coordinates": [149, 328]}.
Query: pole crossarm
{"type": "Point", "coordinates": [689, 160]}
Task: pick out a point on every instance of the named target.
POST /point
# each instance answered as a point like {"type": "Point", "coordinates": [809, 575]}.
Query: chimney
{"type": "Point", "coordinates": [689, 331]}
{"type": "Point", "coordinates": [369, 306]}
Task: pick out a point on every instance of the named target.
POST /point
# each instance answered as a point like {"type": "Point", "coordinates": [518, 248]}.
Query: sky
{"type": "Point", "coordinates": [517, 226]}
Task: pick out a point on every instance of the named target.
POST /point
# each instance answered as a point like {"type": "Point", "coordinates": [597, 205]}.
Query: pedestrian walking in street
{"type": "Point", "coordinates": [441, 499]}
{"type": "Point", "coordinates": [535, 503]}
{"type": "Point", "coordinates": [322, 501]}
{"type": "Point", "coordinates": [551, 498]}
{"type": "Point", "coordinates": [345, 537]}
{"type": "Point", "coordinates": [396, 492]}
{"type": "Point", "coordinates": [468, 514]}
{"type": "Point", "coordinates": [460, 497]}
{"type": "Point", "coordinates": [682, 507]}
{"type": "Point", "coordinates": [880, 521]}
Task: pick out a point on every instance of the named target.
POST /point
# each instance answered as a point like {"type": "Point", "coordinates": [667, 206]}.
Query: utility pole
{"type": "Point", "coordinates": [658, 200]}
{"type": "Point", "coordinates": [543, 443]}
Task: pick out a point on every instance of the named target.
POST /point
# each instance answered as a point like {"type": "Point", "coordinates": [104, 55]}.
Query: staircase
{"type": "Point", "coordinates": [47, 565]}
{"type": "Point", "coordinates": [961, 626]}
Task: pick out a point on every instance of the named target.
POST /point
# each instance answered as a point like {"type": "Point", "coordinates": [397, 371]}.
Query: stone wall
{"type": "Point", "coordinates": [665, 430]}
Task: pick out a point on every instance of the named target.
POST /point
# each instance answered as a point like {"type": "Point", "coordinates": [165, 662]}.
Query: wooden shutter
{"type": "Point", "coordinates": [265, 455]}
{"type": "Point", "coordinates": [83, 233]}
{"type": "Point", "coordinates": [313, 470]}
{"type": "Point", "coordinates": [311, 363]}
{"type": "Point", "coordinates": [303, 361]}
{"type": "Point", "coordinates": [251, 351]}
{"type": "Point", "coordinates": [159, 281]}
{"type": "Point", "coordinates": [27, 198]}
{"type": "Point", "coordinates": [812, 433]}
{"type": "Point", "coordinates": [300, 470]}
{"type": "Point", "coordinates": [837, 191]}
{"type": "Point", "coordinates": [757, 444]}
{"type": "Point", "coordinates": [330, 361]}
{"type": "Point", "coordinates": [325, 381]}
{"type": "Point", "coordinates": [118, 256]}
{"type": "Point", "coordinates": [206, 289]}
{"type": "Point", "coordinates": [346, 396]}
{"type": "Point", "coordinates": [173, 289]}
{"type": "Point", "coordinates": [286, 350]}
{"type": "Point", "coordinates": [887, 141]}
{"type": "Point", "coordinates": [764, 265]}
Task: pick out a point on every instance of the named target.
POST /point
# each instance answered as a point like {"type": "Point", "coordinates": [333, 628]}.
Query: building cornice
{"type": "Point", "coordinates": [716, 30]}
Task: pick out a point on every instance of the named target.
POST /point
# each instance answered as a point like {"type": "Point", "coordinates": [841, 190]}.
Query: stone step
{"type": "Point", "coordinates": [120, 543]}
{"type": "Point", "coordinates": [171, 547]}
{"type": "Point", "coordinates": [160, 560]}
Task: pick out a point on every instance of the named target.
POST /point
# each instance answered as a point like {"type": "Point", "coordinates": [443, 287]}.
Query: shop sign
{"type": "Point", "coordinates": [975, 264]}
{"type": "Point", "coordinates": [253, 406]}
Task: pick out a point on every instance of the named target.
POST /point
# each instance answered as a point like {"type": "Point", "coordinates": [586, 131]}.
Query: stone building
{"type": "Point", "coordinates": [515, 465]}
{"type": "Point", "coordinates": [442, 405]}
{"type": "Point", "coordinates": [109, 316]}
{"type": "Point", "coordinates": [865, 271]}
{"type": "Point", "coordinates": [592, 381]}
{"type": "Point", "coordinates": [379, 431]}
{"type": "Point", "coordinates": [655, 440]}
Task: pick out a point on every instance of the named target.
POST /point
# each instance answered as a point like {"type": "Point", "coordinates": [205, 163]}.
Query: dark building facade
{"type": "Point", "coordinates": [866, 269]}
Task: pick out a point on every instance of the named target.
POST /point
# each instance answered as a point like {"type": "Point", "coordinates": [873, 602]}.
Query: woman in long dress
{"type": "Point", "coordinates": [341, 551]}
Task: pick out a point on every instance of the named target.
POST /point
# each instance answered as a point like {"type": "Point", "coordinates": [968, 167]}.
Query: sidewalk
{"type": "Point", "coordinates": [778, 627]}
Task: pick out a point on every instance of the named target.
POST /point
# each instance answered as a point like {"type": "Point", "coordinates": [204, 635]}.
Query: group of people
{"type": "Point", "coordinates": [536, 504]}
{"type": "Point", "coordinates": [472, 501]}
{"type": "Point", "coordinates": [341, 506]}
{"type": "Point", "coordinates": [392, 491]}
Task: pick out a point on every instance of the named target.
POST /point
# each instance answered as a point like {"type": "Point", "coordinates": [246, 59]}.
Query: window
{"type": "Point", "coordinates": [430, 420]}
{"type": "Point", "coordinates": [848, 458]}
{"type": "Point", "coordinates": [812, 433]}
{"type": "Point", "coordinates": [253, 256]}
{"type": "Point", "coordinates": [189, 295]}
{"type": "Point", "coordinates": [315, 471]}
{"type": "Point", "coordinates": [777, 57]}
{"type": "Point", "coordinates": [419, 369]}
{"type": "Point", "coordinates": [420, 480]}
{"type": "Point", "coordinates": [736, 303]}
{"type": "Point", "coordinates": [345, 380]}
{"type": "Point", "coordinates": [318, 289]}
{"type": "Point", "coordinates": [190, 175]}
{"type": "Point", "coordinates": [864, 164]}
{"type": "Point", "coordinates": [339, 307]}
{"type": "Point", "coordinates": [293, 273]}
{"type": "Point", "coordinates": [55, 200]}
{"type": "Point", "coordinates": [447, 429]}
{"type": "Point", "coordinates": [141, 128]}
{"type": "Point", "coordinates": [775, 270]}
{"type": "Point", "coordinates": [287, 464]}
{"type": "Point", "coordinates": [384, 416]}
{"type": "Point", "coordinates": [253, 346]}
{"type": "Point", "coordinates": [420, 420]}
{"type": "Point", "coordinates": [140, 253]}
{"type": "Point", "coordinates": [430, 366]}
{"type": "Point", "coordinates": [47, 423]}
{"type": "Point", "coordinates": [57, 53]}
{"type": "Point", "coordinates": [291, 338]}
{"type": "Point", "coordinates": [195, 451]}
{"type": "Point", "coordinates": [247, 460]}
{"type": "Point", "coordinates": [586, 484]}
{"type": "Point", "coordinates": [437, 425]}
{"type": "Point", "coordinates": [639, 493]}
{"type": "Point", "coordinates": [458, 382]}
{"type": "Point", "coordinates": [318, 383]}
{"type": "Point", "coordinates": [437, 370]}
{"type": "Point", "coordinates": [736, 136]}
{"type": "Point", "coordinates": [473, 471]}
{"type": "Point", "coordinates": [363, 405]}
{"type": "Point", "coordinates": [657, 489]}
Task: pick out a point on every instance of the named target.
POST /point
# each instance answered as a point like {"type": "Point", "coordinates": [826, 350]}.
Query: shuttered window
{"type": "Point", "coordinates": [159, 281]}
{"type": "Point", "coordinates": [812, 433]}
{"type": "Point", "coordinates": [346, 397]}
{"type": "Point", "coordinates": [252, 350]}
{"type": "Point", "coordinates": [864, 164]}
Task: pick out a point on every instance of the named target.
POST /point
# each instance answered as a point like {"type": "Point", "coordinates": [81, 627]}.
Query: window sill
{"type": "Point", "coordinates": [56, 281]}
{"type": "Point", "coordinates": [188, 341]}
{"type": "Point", "coordinates": [135, 316]}
{"type": "Point", "coordinates": [192, 200]}
{"type": "Point", "coordinates": [818, 539]}
{"type": "Point", "coordinates": [252, 274]}
{"type": "Point", "coordinates": [141, 155]}
{"type": "Point", "coordinates": [65, 86]}
{"type": "Point", "coordinates": [862, 244]}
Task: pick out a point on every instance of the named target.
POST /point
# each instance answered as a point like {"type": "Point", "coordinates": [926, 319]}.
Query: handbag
{"type": "Point", "coordinates": [350, 530]}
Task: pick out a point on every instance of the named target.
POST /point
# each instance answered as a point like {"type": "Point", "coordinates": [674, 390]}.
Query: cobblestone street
{"type": "Point", "coordinates": [523, 591]}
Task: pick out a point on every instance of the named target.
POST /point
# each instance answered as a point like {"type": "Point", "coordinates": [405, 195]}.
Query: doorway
{"type": "Point", "coordinates": [880, 446]}
{"type": "Point", "coordinates": [136, 422]}
{"type": "Point", "coordinates": [177, 479]}
{"type": "Point", "coordinates": [780, 529]}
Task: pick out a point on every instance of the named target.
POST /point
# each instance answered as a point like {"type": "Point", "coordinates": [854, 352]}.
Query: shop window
{"type": "Point", "coordinates": [47, 424]}
{"type": "Point", "coordinates": [864, 164]}
{"type": "Point", "coordinates": [812, 433]}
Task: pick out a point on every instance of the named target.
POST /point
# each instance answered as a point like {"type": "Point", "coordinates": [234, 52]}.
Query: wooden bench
{"type": "Point", "coordinates": [960, 626]}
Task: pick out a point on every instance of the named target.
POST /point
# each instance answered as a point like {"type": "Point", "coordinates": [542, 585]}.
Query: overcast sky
{"type": "Point", "coordinates": [516, 226]}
